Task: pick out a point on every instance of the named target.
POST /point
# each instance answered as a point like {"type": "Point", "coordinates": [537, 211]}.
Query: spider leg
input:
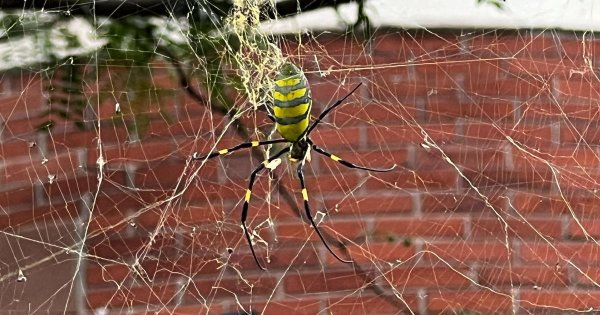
{"type": "Point", "coordinates": [309, 215]}
{"type": "Point", "coordinates": [240, 146]}
{"type": "Point", "coordinates": [249, 194]}
{"type": "Point", "coordinates": [328, 110]}
{"type": "Point", "coordinates": [346, 163]}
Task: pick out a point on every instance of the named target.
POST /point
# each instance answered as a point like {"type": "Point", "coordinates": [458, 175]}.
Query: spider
{"type": "Point", "coordinates": [291, 114]}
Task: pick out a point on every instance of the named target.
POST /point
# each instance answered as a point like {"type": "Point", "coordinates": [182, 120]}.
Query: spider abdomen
{"type": "Point", "coordinates": [291, 103]}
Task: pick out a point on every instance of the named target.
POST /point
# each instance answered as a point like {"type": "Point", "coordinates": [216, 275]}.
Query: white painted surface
{"type": "Point", "coordinates": [578, 15]}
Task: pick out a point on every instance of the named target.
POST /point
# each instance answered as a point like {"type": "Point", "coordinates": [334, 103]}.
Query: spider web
{"type": "Point", "coordinates": [492, 209]}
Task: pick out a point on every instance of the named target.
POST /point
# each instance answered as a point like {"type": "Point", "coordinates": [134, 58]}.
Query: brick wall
{"type": "Point", "coordinates": [493, 208]}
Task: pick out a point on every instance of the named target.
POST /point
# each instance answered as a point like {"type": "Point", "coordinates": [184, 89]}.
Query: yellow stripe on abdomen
{"type": "Point", "coordinates": [292, 95]}
{"type": "Point", "coordinates": [293, 132]}
{"type": "Point", "coordinates": [284, 112]}
{"type": "Point", "coordinates": [288, 82]}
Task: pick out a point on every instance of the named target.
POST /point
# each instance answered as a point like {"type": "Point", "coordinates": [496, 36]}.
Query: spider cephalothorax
{"type": "Point", "coordinates": [291, 114]}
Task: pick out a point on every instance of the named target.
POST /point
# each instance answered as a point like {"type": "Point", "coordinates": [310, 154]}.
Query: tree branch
{"type": "Point", "coordinates": [120, 8]}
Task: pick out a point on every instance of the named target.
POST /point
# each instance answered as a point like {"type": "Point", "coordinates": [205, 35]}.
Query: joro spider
{"type": "Point", "coordinates": [291, 114]}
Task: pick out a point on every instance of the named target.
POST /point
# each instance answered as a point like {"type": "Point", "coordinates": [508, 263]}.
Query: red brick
{"type": "Point", "coordinates": [280, 258]}
{"type": "Point", "coordinates": [530, 178]}
{"type": "Point", "coordinates": [301, 232]}
{"type": "Point", "coordinates": [71, 137]}
{"type": "Point", "coordinates": [26, 127]}
{"type": "Point", "coordinates": [239, 167]}
{"type": "Point", "coordinates": [390, 86]}
{"type": "Point", "coordinates": [575, 47]}
{"type": "Point", "coordinates": [16, 198]}
{"type": "Point", "coordinates": [367, 304]}
{"type": "Point", "coordinates": [119, 248]}
{"type": "Point", "coordinates": [579, 180]}
{"type": "Point", "coordinates": [521, 44]}
{"type": "Point", "coordinates": [549, 111]}
{"type": "Point", "coordinates": [373, 113]}
{"type": "Point", "coordinates": [564, 158]}
{"type": "Point", "coordinates": [195, 125]}
{"type": "Point", "coordinates": [467, 202]}
{"type": "Point", "coordinates": [49, 214]}
{"type": "Point", "coordinates": [187, 215]}
{"type": "Point", "coordinates": [113, 220]}
{"type": "Point", "coordinates": [372, 204]}
{"type": "Point", "coordinates": [421, 179]}
{"type": "Point", "coordinates": [393, 44]}
{"type": "Point", "coordinates": [28, 102]}
{"type": "Point", "coordinates": [323, 282]}
{"type": "Point", "coordinates": [481, 301]}
{"type": "Point", "coordinates": [103, 274]}
{"type": "Point", "coordinates": [420, 227]}
{"type": "Point", "coordinates": [469, 157]}
{"type": "Point", "coordinates": [317, 186]}
{"type": "Point", "coordinates": [531, 135]}
{"type": "Point", "coordinates": [586, 254]}
{"type": "Point", "coordinates": [138, 152]}
{"type": "Point", "coordinates": [405, 134]}
{"type": "Point", "coordinates": [125, 296]}
{"type": "Point", "coordinates": [222, 287]}
{"type": "Point", "coordinates": [335, 138]}
{"type": "Point", "coordinates": [325, 93]}
{"type": "Point", "coordinates": [467, 67]}
{"type": "Point", "coordinates": [188, 147]}
{"type": "Point", "coordinates": [543, 276]}
{"type": "Point", "coordinates": [17, 147]}
{"type": "Point", "coordinates": [522, 228]}
{"type": "Point", "coordinates": [421, 45]}
{"type": "Point", "coordinates": [461, 252]}
{"type": "Point", "coordinates": [580, 133]}
{"type": "Point", "coordinates": [435, 277]}
{"type": "Point", "coordinates": [577, 201]}
{"type": "Point", "coordinates": [387, 251]}
{"type": "Point", "coordinates": [216, 193]}
{"type": "Point", "coordinates": [213, 308]}
{"type": "Point", "coordinates": [546, 67]}
{"type": "Point", "coordinates": [443, 109]}
{"type": "Point", "coordinates": [172, 172]}
{"type": "Point", "coordinates": [586, 276]}
{"type": "Point", "coordinates": [75, 188]}
{"type": "Point", "coordinates": [485, 46]}
{"type": "Point", "coordinates": [524, 88]}
{"type": "Point", "coordinates": [585, 88]}
{"type": "Point", "coordinates": [167, 265]}
{"type": "Point", "coordinates": [302, 306]}
{"type": "Point", "coordinates": [335, 49]}
{"type": "Point", "coordinates": [573, 300]}
{"type": "Point", "coordinates": [591, 228]}
{"type": "Point", "coordinates": [34, 169]}
{"type": "Point", "coordinates": [528, 203]}
{"type": "Point", "coordinates": [117, 209]}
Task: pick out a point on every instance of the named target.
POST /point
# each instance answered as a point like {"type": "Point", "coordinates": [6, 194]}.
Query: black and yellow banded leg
{"type": "Point", "coordinates": [309, 214]}
{"type": "Point", "coordinates": [348, 164]}
{"type": "Point", "coordinates": [249, 194]}
{"type": "Point", "coordinates": [329, 109]}
{"type": "Point", "coordinates": [236, 148]}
